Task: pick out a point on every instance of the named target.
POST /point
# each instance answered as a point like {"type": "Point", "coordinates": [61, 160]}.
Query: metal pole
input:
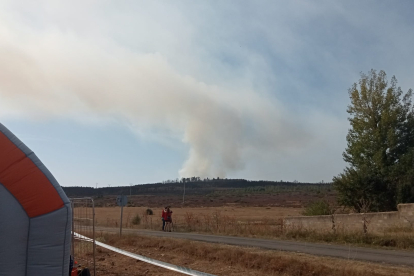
{"type": "Point", "coordinates": [120, 226]}
{"type": "Point", "coordinates": [73, 230]}
{"type": "Point", "coordinates": [184, 194]}
{"type": "Point", "coordinates": [94, 241]}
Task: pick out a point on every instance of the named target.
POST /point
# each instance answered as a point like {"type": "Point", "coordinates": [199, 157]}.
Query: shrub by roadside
{"type": "Point", "coordinates": [318, 208]}
{"type": "Point", "coordinates": [136, 220]}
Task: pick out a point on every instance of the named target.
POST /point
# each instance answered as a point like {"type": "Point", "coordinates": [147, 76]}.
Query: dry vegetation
{"type": "Point", "coordinates": [225, 260]}
{"type": "Point", "coordinates": [217, 193]}
{"type": "Point", "coordinates": [263, 222]}
{"type": "Point", "coordinates": [212, 219]}
{"type": "Point", "coordinates": [392, 238]}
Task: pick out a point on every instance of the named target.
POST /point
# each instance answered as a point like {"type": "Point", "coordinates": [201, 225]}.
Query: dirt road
{"type": "Point", "coordinates": [395, 257]}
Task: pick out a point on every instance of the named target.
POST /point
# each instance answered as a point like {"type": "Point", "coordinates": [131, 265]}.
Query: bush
{"type": "Point", "coordinates": [318, 208]}
{"type": "Point", "coordinates": [149, 212]}
{"type": "Point", "coordinates": [136, 220]}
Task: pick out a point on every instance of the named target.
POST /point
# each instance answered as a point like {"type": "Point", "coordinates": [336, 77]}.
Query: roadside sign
{"type": "Point", "coordinates": [122, 200]}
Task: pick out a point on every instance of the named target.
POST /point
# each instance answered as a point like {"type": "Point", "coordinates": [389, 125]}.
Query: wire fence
{"type": "Point", "coordinates": [83, 222]}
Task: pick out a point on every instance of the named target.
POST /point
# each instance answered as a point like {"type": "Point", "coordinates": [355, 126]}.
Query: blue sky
{"type": "Point", "coordinates": [120, 92]}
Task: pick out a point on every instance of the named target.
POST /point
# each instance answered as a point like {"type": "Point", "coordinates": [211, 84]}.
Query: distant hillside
{"type": "Point", "coordinates": [197, 186]}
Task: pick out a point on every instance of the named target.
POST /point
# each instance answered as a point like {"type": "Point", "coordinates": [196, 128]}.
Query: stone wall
{"type": "Point", "coordinates": [360, 222]}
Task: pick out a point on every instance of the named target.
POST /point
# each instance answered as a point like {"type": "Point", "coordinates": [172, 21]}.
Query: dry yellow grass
{"type": "Point", "coordinates": [249, 222]}
{"type": "Point", "coordinates": [226, 260]}
{"type": "Point", "coordinates": [110, 216]}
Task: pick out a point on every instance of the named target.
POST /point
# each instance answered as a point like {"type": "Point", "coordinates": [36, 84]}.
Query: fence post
{"type": "Point", "coordinates": [83, 221]}
{"type": "Point", "coordinates": [120, 225]}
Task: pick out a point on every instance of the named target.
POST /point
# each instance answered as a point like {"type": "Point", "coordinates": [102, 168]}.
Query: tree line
{"type": "Point", "coordinates": [194, 186]}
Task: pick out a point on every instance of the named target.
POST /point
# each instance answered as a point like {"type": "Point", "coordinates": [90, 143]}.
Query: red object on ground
{"type": "Point", "coordinates": [74, 272]}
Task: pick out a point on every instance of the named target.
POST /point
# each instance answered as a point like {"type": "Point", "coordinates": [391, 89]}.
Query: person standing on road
{"type": "Point", "coordinates": [164, 217]}
{"type": "Point", "coordinates": [169, 214]}
{"type": "Point", "coordinates": [168, 220]}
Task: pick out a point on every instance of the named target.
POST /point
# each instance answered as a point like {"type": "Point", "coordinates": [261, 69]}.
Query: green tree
{"type": "Point", "coordinates": [379, 145]}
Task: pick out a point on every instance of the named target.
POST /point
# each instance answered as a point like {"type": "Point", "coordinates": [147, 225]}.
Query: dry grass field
{"type": "Point", "coordinates": [225, 260]}
{"type": "Point", "coordinates": [110, 216]}
{"type": "Point", "coordinates": [229, 260]}
{"type": "Point", "coordinates": [229, 220]}
{"type": "Point", "coordinates": [265, 222]}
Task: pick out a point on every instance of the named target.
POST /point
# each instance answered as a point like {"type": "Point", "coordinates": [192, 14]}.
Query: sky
{"type": "Point", "coordinates": [132, 92]}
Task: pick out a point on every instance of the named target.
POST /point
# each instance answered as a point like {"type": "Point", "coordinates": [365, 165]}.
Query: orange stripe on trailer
{"type": "Point", "coordinates": [26, 181]}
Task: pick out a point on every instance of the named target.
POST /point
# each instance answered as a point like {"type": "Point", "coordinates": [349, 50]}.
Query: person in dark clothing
{"type": "Point", "coordinates": [169, 214]}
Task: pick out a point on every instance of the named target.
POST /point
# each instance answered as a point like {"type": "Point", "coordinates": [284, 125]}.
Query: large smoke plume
{"type": "Point", "coordinates": [63, 75]}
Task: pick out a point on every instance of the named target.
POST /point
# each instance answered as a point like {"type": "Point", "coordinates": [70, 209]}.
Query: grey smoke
{"type": "Point", "coordinates": [62, 75]}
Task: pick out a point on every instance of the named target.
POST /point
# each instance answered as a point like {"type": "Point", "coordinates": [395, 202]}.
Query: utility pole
{"type": "Point", "coordinates": [121, 201]}
{"type": "Point", "coordinates": [130, 189]}
{"type": "Point", "coordinates": [120, 225]}
{"type": "Point", "coordinates": [184, 195]}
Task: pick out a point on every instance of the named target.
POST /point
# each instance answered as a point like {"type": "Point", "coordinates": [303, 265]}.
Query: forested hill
{"type": "Point", "coordinates": [196, 186]}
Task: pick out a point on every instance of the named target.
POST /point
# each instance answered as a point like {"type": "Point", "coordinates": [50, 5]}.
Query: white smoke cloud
{"type": "Point", "coordinates": [56, 74]}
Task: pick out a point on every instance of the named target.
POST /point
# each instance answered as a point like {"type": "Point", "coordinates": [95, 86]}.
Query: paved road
{"type": "Point", "coordinates": [395, 257]}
